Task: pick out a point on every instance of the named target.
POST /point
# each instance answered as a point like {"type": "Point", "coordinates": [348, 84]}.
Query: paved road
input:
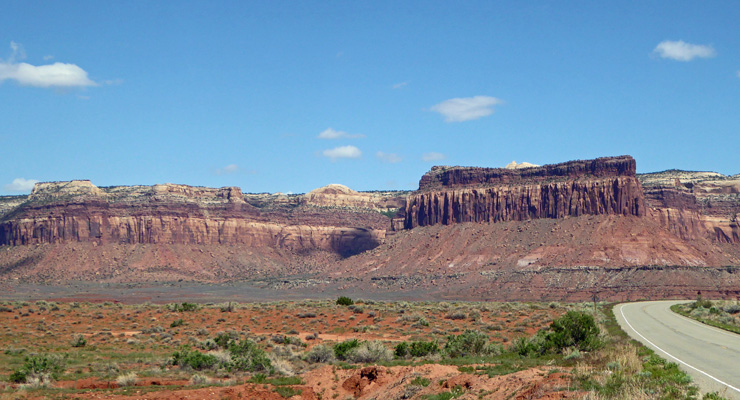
{"type": "Point", "coordinates": [710, 355]}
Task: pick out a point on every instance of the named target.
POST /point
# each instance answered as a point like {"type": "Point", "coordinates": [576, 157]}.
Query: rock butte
{"type": "Point", "coordinates": [500, 233]}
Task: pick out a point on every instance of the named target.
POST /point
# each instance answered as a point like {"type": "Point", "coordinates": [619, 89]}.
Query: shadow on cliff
{"type": "Point", "coordinates": [27, 261]}
{"type": "Point", "coordinates": [359, 241]}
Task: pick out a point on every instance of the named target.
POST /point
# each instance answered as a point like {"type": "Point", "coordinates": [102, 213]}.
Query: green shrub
{"type": "Point", "coordinates": [36, 366]}
{"type": "Point", "coordinates": [320, 354]}
{"type": "Point", "coordinates": [422, 348]}
{"type": "Point", "coordinates": [78, 341]}
{"type": "Point", "coordinates": [342, 349]}
{"type": "Point", "coordinates": [285, 381]}
{"type": "Point", "coordinates": [574, 329]}
{"type": "Point", "coordinates": [224, 338]}
{"type": "Point", "coordinates": [258, 378]}
{"type": "Point", "coordinates": [390, 213]}
{"type": "Point", "coordinates": [193, 359]}
{"type": "Point", "coordinates": [701, 303]}
{"type": "Point", "coordinates": [468, 343]}
{"type": "Point", "coordinates": [401, 350]}
{"type": "Point", "coordinates": [456, 315]}
{"type": "Point", "coordinates": [246, 356]}
{"type": "Point", "coordinates": [524, 347]}
{"type": "Point", "coordinates": [345, 301]}
{"type": "Point", "coordinates": [176, 323]}
{"type": "Point", "coordinates": [287, 392]}
{"type": "Point", "coordinates": [420, 381]}
{"type": "Point", "coordinates": [18, 376]}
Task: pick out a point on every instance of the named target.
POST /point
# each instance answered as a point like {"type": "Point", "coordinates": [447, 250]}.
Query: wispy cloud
{"type": "Point", "coordinates": [331, 133]}
{"type": "Point", "coordinates": [229, 169]}
{"type": "Point", "coordinates": [20, 185]}
{"type": "Point", "coordinates": [400, 85]}
{"type": "Point", "coordinates": [433, 156]}
{"type": "Point", "coordinates": [390, 158]}
{"type": "Point", "coordinates": [682, 51]}
{"type": "Point", "coordinates": [45, 76]}
{"type": "Point", "coordinates": [342, 152]}
{"type": "Point", "coordinates": [466, 108]}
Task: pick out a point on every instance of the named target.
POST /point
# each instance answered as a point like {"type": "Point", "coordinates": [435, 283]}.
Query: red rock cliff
{"type": "Point", "coordinates": [450, 195]}
{"type": "Point", "coordinates": [695, 204]}
{"type": "Point", "coordinates": [78, 211]}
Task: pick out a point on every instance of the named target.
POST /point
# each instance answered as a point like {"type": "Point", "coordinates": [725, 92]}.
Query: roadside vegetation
{"type": "Point", "coordinates": [723, 314]}
{"type": "Point", "coordinates": [325, 349]}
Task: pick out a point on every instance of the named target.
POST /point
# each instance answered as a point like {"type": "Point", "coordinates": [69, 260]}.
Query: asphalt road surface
{"type": "Point", "coordinates": [710, 355]}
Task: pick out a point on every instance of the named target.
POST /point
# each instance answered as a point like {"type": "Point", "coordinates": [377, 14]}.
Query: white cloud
{"type": "Point", "coordinates": [342, 152]}
{"type": "Point", "coordinates": [335, 134]}
{"type": "Point", "coordinates": [20, 185]}
{"type": "Point", "coordinates": [432, 156]}
{"type": "Point", "coordinates": [390, 158]}
{"type": "Point", "coordinates": [466, 108]}
{"type": "Point", "coordinates": [229, 169]}
{"type": "Point", "coordinates": [18, 52]}
{"type": "Point", "coordinates": [400, 85]}
{"type": "Point", "coordinates": [45, 76]}
{"type": "Point", "coordinates": [682, 51]}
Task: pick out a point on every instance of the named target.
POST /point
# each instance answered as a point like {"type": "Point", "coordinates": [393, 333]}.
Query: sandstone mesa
{"type": "Point", "coordinates": [525, 231]}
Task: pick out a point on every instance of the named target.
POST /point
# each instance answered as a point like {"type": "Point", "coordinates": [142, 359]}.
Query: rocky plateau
{"type": "Point", "coordinates": [561, 231]}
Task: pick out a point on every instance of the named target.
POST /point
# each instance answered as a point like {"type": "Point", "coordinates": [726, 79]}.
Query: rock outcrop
{"type": "Point", "coordinates": [695, 204]}
{"type": "Point", "coordinates": [557, 231]}
{"type": "Point", "coordinates": [450, 195]}
{"type": "Point", "coordinates": [78, 211]}
{"type": "Point", "coordinates": [335, 195]}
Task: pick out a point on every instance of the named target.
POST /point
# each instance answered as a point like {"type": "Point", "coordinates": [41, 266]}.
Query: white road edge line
{"type": "Point", "coordinates": [621, 311]}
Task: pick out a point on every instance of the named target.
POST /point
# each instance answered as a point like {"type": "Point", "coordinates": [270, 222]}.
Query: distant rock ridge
{"type": "Point", "coordinates": [491, 231]}
{"type": "Point", "coordinates": [78, 211]}
{"type": "Point", "coordinates": [514, 165]}
{"type": "Point", "coordinates": [450, 195]}
{"type": "Point", "coordinates": [336, 195]}
{"type": "Point", "coordinates": [695, 204]}
{"type": "Point", "coordinates": [444, 176]}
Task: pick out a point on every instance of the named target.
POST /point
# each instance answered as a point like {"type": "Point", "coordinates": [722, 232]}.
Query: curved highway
{"type": "Point", "coordinates": [710, 355]}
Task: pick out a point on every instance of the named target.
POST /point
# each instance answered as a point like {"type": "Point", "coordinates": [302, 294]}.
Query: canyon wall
{"type": "Point", "coordinates": [450, 195]}
{"type": "Point", "coordinates": [695, 204]}
{"type": "Point", "coordinates": [78, 211]}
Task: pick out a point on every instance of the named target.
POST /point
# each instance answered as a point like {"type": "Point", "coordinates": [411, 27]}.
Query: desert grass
{"type": "Point", "coordinates": [141, 339]}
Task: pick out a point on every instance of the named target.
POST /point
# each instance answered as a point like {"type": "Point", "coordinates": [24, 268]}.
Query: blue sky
{"type": "Point", "coordinates": [279, 96]}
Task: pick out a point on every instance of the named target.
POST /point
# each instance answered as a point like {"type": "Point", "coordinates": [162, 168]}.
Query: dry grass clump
{"type": "Point", "coordinates": [128, 379]}
{"type": "Point", "coordinates": [370, 352]}
{"type": "Point", "coordinates": [626, 357]}
{"type": "Point", "coordinates": [200, 379]}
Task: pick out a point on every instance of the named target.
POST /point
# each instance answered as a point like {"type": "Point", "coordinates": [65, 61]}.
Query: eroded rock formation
{"type": "Point", "coordinates": [449, 195]}
{"type": "Point", "coordinates": [695, 204]}
{"type": "Point", "coordinates": [556, 231]}
{"type": "Point", "coordinates": [78, 211]}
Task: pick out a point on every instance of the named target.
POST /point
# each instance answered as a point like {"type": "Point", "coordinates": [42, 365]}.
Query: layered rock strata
{"type": "Point", "coordinates": [450, 195]}
{"type": "Point", "coordinates": [78, 211]}
{"type": "Point", "coordinates": [695, 204]}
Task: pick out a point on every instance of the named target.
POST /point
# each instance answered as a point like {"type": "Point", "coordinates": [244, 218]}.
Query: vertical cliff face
{"type": "Point", "coordinates": [595, 187]}
{"type": "Point", "coordinates": [77, 211]}
{"type": "Point", "coordinates": [695, 204]}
